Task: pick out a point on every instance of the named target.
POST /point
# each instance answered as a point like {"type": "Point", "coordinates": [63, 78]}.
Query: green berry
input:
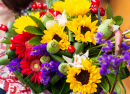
{"type": "Point", "coordinates": [53, 47]}
{"type": "Point", "coordinates": [44, 59]}
{"type": "Point", "coordinates": [63, 68]}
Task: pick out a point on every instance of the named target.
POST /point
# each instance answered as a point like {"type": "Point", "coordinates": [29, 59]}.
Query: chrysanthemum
{"type": "Point", "coordinates": [73, 7]}
{"type": "Point", "coordinates": [56, 33]}
{"type": "Point", "coordinates": [23, 48]}
{"type": "Point", "coordinates": [24, 21]}
{"type": "Point", "coordinates": [84, 79]}
{"type": "Point", "coordinates": [83, 28]}
{"type": "Point", "coordinates": [32, 66]}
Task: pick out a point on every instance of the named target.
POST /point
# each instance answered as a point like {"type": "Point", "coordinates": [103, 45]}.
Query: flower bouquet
{"type": "Point", "coordinates": [71, 48]}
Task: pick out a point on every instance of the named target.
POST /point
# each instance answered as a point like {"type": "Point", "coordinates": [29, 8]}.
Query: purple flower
{"type": "Point", "coordinates": [124, 46]}
{"type": "Point", "coordinates": [99, 39]}
{"type": "Point", "coordinates": [108, 47]}
{"type": "Point", "coordinates": [114, 92]}
{"type": "Point", "coordinates": [14, 65]}
{"type": "Point", "coordinates": [40, 50]}
{"type": "Point", "coordinates": [102, 92]}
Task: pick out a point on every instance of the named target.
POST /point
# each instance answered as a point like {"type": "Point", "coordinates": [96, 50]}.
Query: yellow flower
{"type": "Point", "coordinates": [84, 79]}
{"type": "Point", "coordinates": [24, 21]}
{"type": "Point", "coordinates": [57, 33]}
{"type": "Point", "coordinates": [73, 7]}
{"type": "Point", "coordinates": [83, 28]}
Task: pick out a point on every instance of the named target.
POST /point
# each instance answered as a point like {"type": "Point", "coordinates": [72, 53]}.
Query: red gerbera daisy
{"type": "Point", "coordinates": [23, 48]}
{"type": "Point", "coordinates": [32, 66]}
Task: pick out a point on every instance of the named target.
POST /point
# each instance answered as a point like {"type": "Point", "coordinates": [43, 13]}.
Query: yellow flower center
{"type": "Point", "coordinates": [83, 77]}
{"type": "Point", "coordinates": [84, 30]}
{"type": "Point", "coordinates": [56, 37]}
{"type": "Point", "coordinates": [35, 65]}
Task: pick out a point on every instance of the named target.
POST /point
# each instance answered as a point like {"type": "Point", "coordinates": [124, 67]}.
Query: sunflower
{"type": "Point", "coordinates": [23, 48]}
{"type": "Point", "coordinates": [24, 21]}
{"type": "Point", "coordinates": [57, 33]}
{"type": "Point", "coordinates": [84, 79]}
{"type": "Point", "coordinates": [73, 7]}
{"type": "Point", "coordinates": [32, 66]}
{"type": "Point", "coordinates": [83, 28]}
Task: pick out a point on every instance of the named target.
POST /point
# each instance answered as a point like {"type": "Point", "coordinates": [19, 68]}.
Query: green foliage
{"type": "Point", "coordinates": [109, 12]}
{"type": "Point", "coordinates": [11, 54]}
{"type": "Point", "coordinates": [4, 60]}
{"type": "Point", "coordinates": [118, 20]}
{"type": "Point", "coordinates": [35, 40]}
{"type": "Point", "coordinates": [33, 30]}
{"type": "Point", "coordinates": [57, 58]}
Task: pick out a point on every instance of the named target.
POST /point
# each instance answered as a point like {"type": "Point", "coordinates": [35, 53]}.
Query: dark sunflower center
{"type": "Point", "coordinates": [56, 37]}
{"type": "Point", "coordinates": [84, 30]}
{"type": "Point", "coordinates": [83, 77]}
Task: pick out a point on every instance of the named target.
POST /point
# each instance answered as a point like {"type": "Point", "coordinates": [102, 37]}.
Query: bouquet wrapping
{"type": "Point", "coordinates": [69, 48]}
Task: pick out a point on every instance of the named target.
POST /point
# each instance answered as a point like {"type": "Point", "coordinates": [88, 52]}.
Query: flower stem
{"type": "Point", "coordinates": [114, 84]}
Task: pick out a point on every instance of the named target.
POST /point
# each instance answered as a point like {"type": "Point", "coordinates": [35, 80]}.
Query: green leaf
{"type": "Point", "coordinates": [66, 88]}
{"type": "Point", "coordinates": [57, 58]}
{"type": "Point", "coordinates": [38, 22]}
{"type": "Point", "coordinates": [111, 78]}
{"type": "Point", "coordinates": [58, 87]}
{"type": "Point", "coordinates": [64, 52]}
{"type": "Point", "coordinates": [50, 2]}
{"type": "Point", "coordinates": [70, 35]}
{"type": "Point", "coordinates": [104, 84]}
{"type": "Point", "coordinates": [10, 33]}
{"type": "Point", "coordinates": [35, 40]}
{"type": "Point", "coordinates": [19, 76]}
{"type": "Point", "coordinates": [79, 48]}
{"type": "Point", "coordinates": [124, 73]}
{"type": "Point", "coordinates": [34, 30]}
{"type": "Point", "coordinates": [99, 17]}
{"type": "Point", "coordinates": [118, 20]}
{"type": "Point", "coordinates": [54, 79]}
{"type": "Point", "coordinates": [4, 60]}
{"type": "Point", "coordinates": [109, 12]}
{"type": "Point", "coordinates": [36, 88]}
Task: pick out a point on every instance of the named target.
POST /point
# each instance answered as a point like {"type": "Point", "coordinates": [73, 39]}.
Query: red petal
{"type": "Point", "coordinates": [33, 77]}
{"type": "Point", "coordinates": [36, 77]}
{"type": "Point", "coordinates": [25, 70]}
{"type": "Point", "coordinates": [27, 73]}
{"type": "Point", "coordinates": [39, 78]}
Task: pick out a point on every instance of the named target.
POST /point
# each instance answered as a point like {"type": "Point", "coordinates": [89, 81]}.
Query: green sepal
{"type": "Point", "coordinates": [54, 78]}
{"type": "Point", "coordinates": [104, 84]}
{"type": "Point", "coordinates": [57, 58]}
{"type": "Point", "coordinates": [109, 12]}
{"type": "Point", "coordinates": [11, 54]}
{"type": "Point", "coordinates": [111, 78]}
{"type": "Point", "coordinates": [64, 52]}
{"type": "Point", "coordinates": [10, 33]}
{"type": "Point", "coordinates": [4, 60]}
{"type": "Point", "coordinates": [35, 40]}
{"type": "Point", "coordinates": [19, 76]}
{"type": "Point", "coordinates": [36, 88]}
{"type": "Point", "coordinates": [79, 48]}
{"type": "Point", "coordinates": [38, 22]}
{"type": "Point", "coordinates": [118, 20]}
{"type": "Point", "coordinates": [33, 30]}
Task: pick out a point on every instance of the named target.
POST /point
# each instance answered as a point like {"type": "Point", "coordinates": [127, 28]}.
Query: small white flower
{"type": "Point", "coordinates": [62, 19]}
{"type": "Point", "coordinates": [50, 23]}
{"type": "Point", "coordinates": [77, 59]}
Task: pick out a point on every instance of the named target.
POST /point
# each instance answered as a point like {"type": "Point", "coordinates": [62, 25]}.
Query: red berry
{"type": "Point", "coordinates": [94, 9]}
{"type": "Point", "coordinates": [12, 39]}
{"type": "Point", "coordinates": [96, 2]}
{"type": "Point", "coordinates": [40, 6]}
{"type": "Point", "coordinates": [1, 26]}
{"type": "Point", "coordinates": [102, 11]}
{"type": "Point", "coordinates": [4, 28]}
{"type": "Point", "coordinates": [12, 46]}
{"type": "Point", "coordinates": [93, 5]}
{"type": "Point", "coordinates": [50, 10]}
{"type": "Point", "coordinates": [44, 6]}
{"type": "Point", "coordinates": [55, 13]}
{"type": "Point", "coordinates": [34, 6]}
{"type": "Point", "coordinates": [71, 49]}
